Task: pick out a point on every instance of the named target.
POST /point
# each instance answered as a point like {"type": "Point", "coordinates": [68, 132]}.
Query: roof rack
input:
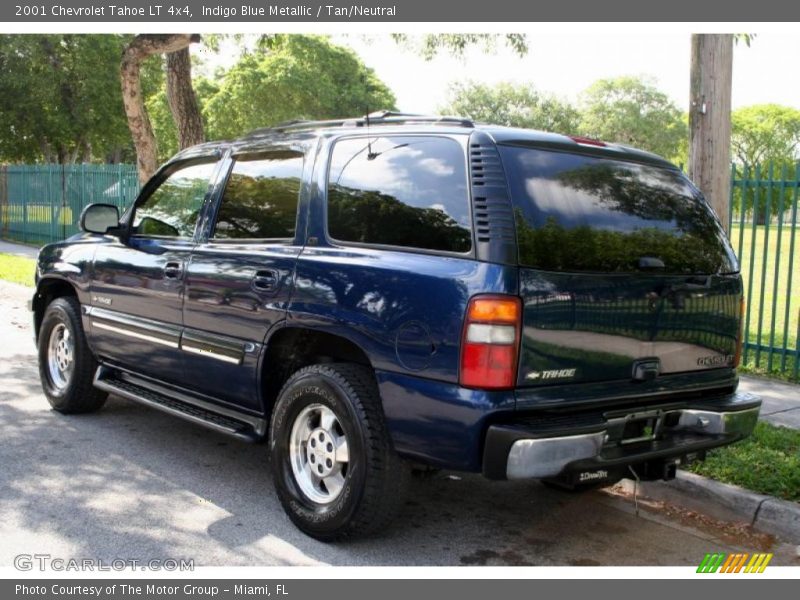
{"type": "Point", "coordinates": [383, 117]}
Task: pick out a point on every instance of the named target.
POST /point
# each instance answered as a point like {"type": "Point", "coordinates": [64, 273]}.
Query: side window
{"type": "Point", "coordinates": [173, 208]}
{"type": "Point", "coordinates": [260, 198]}
{"type": "Point", "coordinates": [401, 191]}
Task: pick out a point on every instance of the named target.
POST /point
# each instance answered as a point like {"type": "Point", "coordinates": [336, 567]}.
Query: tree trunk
{"type": "Point", "coordinates": [710, 119]}
{"type": "Point", "coordinates": [182, 99]}
{"type": "Point", "coordinates": [141, 47]}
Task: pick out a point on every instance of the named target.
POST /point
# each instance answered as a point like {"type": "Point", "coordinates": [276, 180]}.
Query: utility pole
{"type": "Point", "coordinates": [710, 119]}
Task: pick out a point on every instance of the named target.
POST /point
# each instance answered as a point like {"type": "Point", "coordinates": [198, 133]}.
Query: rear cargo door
{"type": "Point", "coordinates": [625, 271]}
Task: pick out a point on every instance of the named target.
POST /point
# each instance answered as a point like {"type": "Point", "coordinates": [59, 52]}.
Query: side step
{"type": "Point", "coordinates": [131, 387]}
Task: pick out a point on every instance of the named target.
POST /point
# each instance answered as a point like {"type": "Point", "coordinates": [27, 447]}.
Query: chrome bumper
{"type": "Point", "coordinates": [543, 457]}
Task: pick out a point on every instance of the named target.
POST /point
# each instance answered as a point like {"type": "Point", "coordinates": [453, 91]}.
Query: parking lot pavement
{"type": "Point", "coordinates": [132, 483]}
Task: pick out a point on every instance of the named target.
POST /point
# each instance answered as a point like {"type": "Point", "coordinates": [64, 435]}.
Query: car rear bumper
{"type": "Point", "coordinates": [595, 449]}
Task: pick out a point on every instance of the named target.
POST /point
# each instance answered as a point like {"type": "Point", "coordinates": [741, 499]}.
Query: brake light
{"type": "Point", "coordinates": [490, 344]}
{"type": "Point", "coordinates": [737, 356]}
{"type": "Point", "coordinates": [587, 141]}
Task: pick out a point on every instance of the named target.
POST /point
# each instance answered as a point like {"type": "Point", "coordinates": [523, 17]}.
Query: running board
{"type": "Point", "coordinates": [180, 404]}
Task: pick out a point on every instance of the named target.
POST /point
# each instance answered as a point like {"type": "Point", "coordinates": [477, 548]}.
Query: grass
{"type": "Point", "coordinates": [768, 462]}
{"type": "Point", "coordinates": [36, 213]}
{"type": "Point", "coordinates": [758, 261]}
{"type": "Point", "coordinates": [17, 269]}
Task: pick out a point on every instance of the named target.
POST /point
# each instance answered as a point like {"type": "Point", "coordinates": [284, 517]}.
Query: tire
{"type": "Point", "coordinates": [351, 494]}
{"type": "Point", "coordinates": [66, 365]}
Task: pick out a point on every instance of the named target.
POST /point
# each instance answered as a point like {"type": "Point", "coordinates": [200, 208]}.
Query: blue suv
{"type": "Point", "coordinates": [390, 293]}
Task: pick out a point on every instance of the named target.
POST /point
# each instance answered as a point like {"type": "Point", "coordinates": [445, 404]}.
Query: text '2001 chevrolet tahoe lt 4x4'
{"type": "Point", "coordinates": [377, 293]}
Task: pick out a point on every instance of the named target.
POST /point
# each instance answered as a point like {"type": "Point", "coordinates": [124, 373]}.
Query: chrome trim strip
{"type": "Point", "coordinates": [137, 324]}
{"type": "Point", "coordinates": [211, 354]}
{"type": "Point", "coordinates": [135, 334]}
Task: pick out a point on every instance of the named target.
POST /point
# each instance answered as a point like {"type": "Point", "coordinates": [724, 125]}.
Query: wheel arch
{"type": "Point", "coordinates": [291, 348]}
{"type": "Point", "coordinates": [47, 290]}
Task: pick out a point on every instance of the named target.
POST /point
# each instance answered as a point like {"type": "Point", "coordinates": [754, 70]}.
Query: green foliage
{"type": "Point", "coordinates": [429, 45]}
{"type": "Point", "coordinates": [164, 127]}
{"type": "Point", "coordinates": [514, 105]}
{"type": "Point", "coordinates": [17, 269]}
{"type": "Point", "coordinates": [60, 98]}
{"type": "Point", "coordinates": [633, 111]}
{"type": "Point", "coordinates": [768, 462]}
{"type": "Point", "coordinates": [297, 77]}
{"type": "Point", "coordinates": [764, 133]}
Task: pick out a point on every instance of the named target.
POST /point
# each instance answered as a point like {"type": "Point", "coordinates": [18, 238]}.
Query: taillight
{"type": "Point", "coordinates": [737, 356]}
{"type": "Point", "coordinates": [585, 141]}
{"type": "Point", "coordinates": [490, 345]}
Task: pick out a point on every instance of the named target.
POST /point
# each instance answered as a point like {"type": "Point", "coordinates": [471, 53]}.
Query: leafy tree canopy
{"type": "Point", "coordinates": [765, 132]}
{"type": "Point", "coordinates": [294, 77]}
{"type": "Point", "coordinates": [429, 45]}
{"type": "Point", "coordinates": [515, 105]}
{"type": "Point", "coordinates": [60, 98]}
{"type": "Point", "coordinates": [634, 112]}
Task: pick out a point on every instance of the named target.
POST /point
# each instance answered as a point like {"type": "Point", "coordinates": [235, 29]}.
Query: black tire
{"type": "Point", "coordinates": [73, 393]}
{"type": "Point", "coordinates": [375, 478]}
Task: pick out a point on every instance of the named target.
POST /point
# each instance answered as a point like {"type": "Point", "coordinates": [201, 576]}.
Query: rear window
{"type": "Point", "coordinates": [408, 191]}
{"type": "Point", "coordinates": [583, 213]}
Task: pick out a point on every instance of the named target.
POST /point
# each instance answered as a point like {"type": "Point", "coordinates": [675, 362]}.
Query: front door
{"type": "Point", "coordinates": [138, 283]}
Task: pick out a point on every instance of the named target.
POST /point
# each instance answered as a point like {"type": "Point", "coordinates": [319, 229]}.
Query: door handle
{"type": "Point", "coordinates": [173, 270]}
{"type": "Point", "coordinates": [265, 280]}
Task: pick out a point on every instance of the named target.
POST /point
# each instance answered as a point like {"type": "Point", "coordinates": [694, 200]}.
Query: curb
{"type": "Point", "coordinates": [724, 501]}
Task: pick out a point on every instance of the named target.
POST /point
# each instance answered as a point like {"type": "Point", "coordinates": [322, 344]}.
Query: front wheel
{"type": "Point", "coordinates": [66, 365]}
{"type": "Point", "coordinates": [335, 470]}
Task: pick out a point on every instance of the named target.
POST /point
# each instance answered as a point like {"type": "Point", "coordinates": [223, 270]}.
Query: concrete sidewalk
{"type": "Point", "coordinates": [781, 401]}
{"type": "Point", "coordinates": [18, 249]}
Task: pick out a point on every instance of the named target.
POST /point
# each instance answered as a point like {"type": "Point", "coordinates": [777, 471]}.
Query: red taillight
{"type": "Point", "coordinates": [739, 340]}
{"type": "Point", "coordinates": [490, 343]}
{"type": "Point", "coordinates": [587, 141]}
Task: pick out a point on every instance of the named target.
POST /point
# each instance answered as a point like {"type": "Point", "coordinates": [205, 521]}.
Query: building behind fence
{"type": "Point", "coordinates": [42, 203]}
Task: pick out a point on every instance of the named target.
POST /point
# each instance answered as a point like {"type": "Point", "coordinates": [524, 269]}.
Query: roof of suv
{"type": "Point", "coordinates": [390, 122]}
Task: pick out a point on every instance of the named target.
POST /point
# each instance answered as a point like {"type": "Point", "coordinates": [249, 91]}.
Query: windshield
{"type": "Point", "coordinates": [583, 213]}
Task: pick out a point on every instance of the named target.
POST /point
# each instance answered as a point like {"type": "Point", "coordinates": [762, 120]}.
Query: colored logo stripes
{"type": "Point", "coordinates": [734, 563]}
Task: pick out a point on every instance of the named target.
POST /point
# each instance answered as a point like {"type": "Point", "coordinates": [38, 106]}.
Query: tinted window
{"type": "Point", "coordinates": [260, 198]}
{"type": "Point", "coordinates": [401, 191]}
{"type": "Point", "coordinates": [172, 210]}
{"type": "Point", "coordinates": [583, 213]}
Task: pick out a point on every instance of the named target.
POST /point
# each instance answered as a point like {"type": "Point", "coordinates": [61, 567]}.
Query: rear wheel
{"type": "Point", "coordinates": [66, 365]}
{"type": "Point", "coordinates": [335, 470]}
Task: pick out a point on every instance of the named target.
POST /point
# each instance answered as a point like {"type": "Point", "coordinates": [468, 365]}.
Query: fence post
{"type": "Point", "coordinates": [26, 180]}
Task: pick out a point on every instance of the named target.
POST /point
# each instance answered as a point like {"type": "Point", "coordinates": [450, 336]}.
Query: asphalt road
{"type": "Point", "coordinates": [130, 482]}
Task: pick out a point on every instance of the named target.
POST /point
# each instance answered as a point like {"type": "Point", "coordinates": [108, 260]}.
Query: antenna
{"type": "Point", "coordinates": [370, 155]}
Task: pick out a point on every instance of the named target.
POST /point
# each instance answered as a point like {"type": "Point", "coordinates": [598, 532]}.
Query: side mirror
{"type": "Point", "coordinates": [99, 218]}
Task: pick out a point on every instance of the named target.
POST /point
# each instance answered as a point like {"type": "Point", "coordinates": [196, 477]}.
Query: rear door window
{"type": "Point", "coordinates": [261, 197]}
{"type": "Point", "coordinates": [408, 191]}
{"type": "Point", "coordinates": [577, 212]}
